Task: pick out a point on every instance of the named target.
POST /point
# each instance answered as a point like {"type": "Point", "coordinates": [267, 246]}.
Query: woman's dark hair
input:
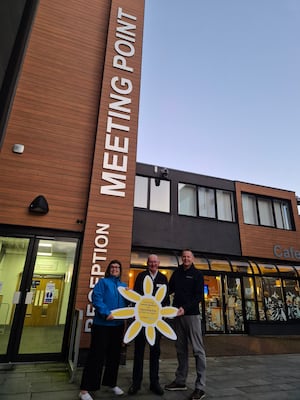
{"type": "Point", "coordinates": [107, 272]}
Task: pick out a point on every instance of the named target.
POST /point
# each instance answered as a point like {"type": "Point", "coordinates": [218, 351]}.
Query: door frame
{"type": "Point", "coordinates": [34, 235]}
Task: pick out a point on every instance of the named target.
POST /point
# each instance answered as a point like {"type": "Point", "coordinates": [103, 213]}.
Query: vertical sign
{"type": "Point", "coordinates": [108, 227]}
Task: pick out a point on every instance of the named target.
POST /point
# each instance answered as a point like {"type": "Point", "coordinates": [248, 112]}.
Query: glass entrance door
{"type": "Point", "coordinates": [214, 305]}
{"type": "Point", "coordinates": [223, 304]}
{"type": "Point", "coordinates": [35, 284]}
{"type": "Point", "coordinates": [234, 306]}
{"type": "Point", "coordinates": [13, 253]}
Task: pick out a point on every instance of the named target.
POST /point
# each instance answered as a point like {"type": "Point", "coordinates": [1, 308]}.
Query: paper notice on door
{"type": "Point", "coordinates": [49, 293]}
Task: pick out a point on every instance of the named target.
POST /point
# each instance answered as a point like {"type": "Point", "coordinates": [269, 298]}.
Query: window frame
{"type": "Point", "coordinates": [285, 212]}
{"type": "Point", "coordinates": [216, 200]}
{"type": "Point", "coordinates": [151, 182]}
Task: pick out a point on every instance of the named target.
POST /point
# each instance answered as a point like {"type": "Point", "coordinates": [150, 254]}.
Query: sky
{"type": "Point", "coordinates": [220, 89]}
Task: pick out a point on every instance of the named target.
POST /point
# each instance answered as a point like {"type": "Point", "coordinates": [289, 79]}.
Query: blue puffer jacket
{"type": "Point", "coordinates": [106, 298]}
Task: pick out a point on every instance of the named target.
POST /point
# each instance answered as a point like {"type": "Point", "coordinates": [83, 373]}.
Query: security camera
{"type": "Point", "coordinates": [164, 172]}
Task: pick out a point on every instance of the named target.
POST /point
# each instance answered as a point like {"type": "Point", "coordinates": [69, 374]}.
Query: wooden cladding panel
{"type": "Point", "coordinates": [54, 115]}
{"type": "Point", "coordinates": [259, 241]}
{"type": "Point", "coordinates": [115, 211]}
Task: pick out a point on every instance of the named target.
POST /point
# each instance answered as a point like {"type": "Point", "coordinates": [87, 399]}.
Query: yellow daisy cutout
{"type": "Point", "coordinates": [147, 312]}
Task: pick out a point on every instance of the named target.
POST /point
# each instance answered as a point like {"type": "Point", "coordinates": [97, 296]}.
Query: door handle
{"type": "Point", "coordinates": [28, 298]}
{"type": "Point", "coordinates": [16, 298]}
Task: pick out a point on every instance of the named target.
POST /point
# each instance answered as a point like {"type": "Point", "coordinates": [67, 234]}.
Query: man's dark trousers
{"type": "Point", "coordinates": [139, 350]}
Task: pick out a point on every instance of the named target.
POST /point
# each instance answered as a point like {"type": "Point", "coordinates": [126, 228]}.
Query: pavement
{"type": "Point", "coordinates": [259, 377]}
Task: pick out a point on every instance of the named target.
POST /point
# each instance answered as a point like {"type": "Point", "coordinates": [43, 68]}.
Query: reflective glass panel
{"type": "Point", "coordinates": [273, 299]}
{"type": "Point", "coordinates": [167, 260]}
{"type": "Point", "coordinates": [297, 268]}
{"type": "Point", "coordinates": [254, 267]}
{"type": "Point", "coordinates": [287, 270]}
{"type": "Point", "coordinates": [241, 266]}
{"type": "Point", "coordinates": [214, 318]}
{"type": "Point", "coordinates": [219, 265]}
{"type": "Point", "coordinates": [249, 209]}
{"type": "Point", "coordinates": [141, 192]}
{"type": "Point", "coordinates": [201, 263]}
{"type": "Point", "coordinates": [48, 299]}
{"type": "Point", "coordinates": [187, 200]}
{"type": "Point", "coordinates": [260, 299]}
{"type": "Point", "coordinates": [282, 214]}
{"type": "Point", "coordinates": [206, 199]}
{"type": "Point", "coordinates": [139, 258]}
{"type": "Point", "coordinates": [265, 212]}
{"type": "Point", "coordinates": [225, 206]}
{"type": "Point", "coordinates": [249, 298]}
{"type": "Point", "coordinates": [234, 309]}
{"type": "Point", "coordinates": [13, 253]}
{"type": "Point", "coordinates": [292, 298]}
{"type": "Point", "coordinates": [159, 196]}
{"type": "Point", "coordinates": [266, 269]}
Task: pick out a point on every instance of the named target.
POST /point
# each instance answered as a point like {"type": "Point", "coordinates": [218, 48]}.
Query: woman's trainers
{"type": "Point", "coordinates": [118, 391]}
{"type": "Point", "coordinates": [85, 396]}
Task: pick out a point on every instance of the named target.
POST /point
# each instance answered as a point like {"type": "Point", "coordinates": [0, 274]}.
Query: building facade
{"type": "Point", "coordinates": [246, 239]}
{"type": "Point", "coordinates": [73, 196]}
{"type": "Point", "coordinates": [70, 83]}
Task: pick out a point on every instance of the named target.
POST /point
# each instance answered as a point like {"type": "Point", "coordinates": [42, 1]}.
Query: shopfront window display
{"type": "Point", "coordinates": [273, 298]}
{"type": "Point", "coordinates": [292, 298]}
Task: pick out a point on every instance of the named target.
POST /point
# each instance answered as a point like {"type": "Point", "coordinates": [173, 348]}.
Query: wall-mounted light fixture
{"type": "Point", "coordinates": [18, 148]}
{"type": "Point", "coordinates": [39, 205]}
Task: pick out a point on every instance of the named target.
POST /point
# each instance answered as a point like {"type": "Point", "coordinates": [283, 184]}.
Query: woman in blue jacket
{"type": "Point", "coordinates": [106, 335]}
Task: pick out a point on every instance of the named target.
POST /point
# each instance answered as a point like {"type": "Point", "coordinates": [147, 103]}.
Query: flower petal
{"type": "Point", "coordinates": [150, 335]}
{"type": "Point", "coordinates": [168, 312]}
{"type": "Point", "coordinates": [166, 330]}
{"type": "Point", "coordinates": [160, 294]}
{"type": "Point", "coordinates": [132, 331]}
{"type": "Point", "coordinates": [130, 295]}
{"type": "Point", "coordinates": [122, 313]}
{"type": "Point", "coordinates": [148, 285]}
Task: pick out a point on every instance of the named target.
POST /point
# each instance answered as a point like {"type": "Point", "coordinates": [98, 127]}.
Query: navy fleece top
{"type": "Point", "coordinates": [187, 286]}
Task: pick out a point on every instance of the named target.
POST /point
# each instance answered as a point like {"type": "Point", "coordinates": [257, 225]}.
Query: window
{"type": "Point", "coordinates": [273, 299]}
{"type": "Point", "coordinates": [292, 298]}
{"type": "Point", "coordinates": [249, 298]}
{"type": "Point", "coordinates": [258, 210]}
{"type": "Point", "coordinates": [260, 298]}
{"type": "Point", "coordinates": [206, 200]}
{"type": "Point", "coordinates": [141, 192]}
{"type": "Point", "coordinates": [225, 206]}
{"type": "Point", "coordinates": [151, 195]}
{"type": "Point", "coordinates": [249, 209]}
{"type": "Point", "coordinates": [159, 196]}
{"type": "Point", "coordinates": [187, 200]}
{"type": "Point", "coordinates": [265, 212]}
{"type": "Point", "coordinates": [212, 203]}
{"type": "Point", "coordinates": [282, 215]}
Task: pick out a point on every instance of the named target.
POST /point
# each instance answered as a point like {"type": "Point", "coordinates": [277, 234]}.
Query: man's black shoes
{"type": "Point", "coordinates": [157, 389]}
{"type": "Point", "coordinates": [175, 386]}
{"type": "Point", "coordinates": [133, 390]}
